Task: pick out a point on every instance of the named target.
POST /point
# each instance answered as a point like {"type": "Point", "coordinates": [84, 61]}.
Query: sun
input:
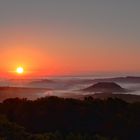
{"type": "Point", "coordinates": [20, 70]}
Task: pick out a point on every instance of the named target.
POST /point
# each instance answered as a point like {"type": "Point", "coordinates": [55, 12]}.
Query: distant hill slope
{"type": "Point", "coordinates": [105, 87]}
{"type": "Point", "coordinates": [21, 92]}
{"type": "Point", "coordinates": [125, 97]}
{"type": "Point", "coordinates": [128, 79]}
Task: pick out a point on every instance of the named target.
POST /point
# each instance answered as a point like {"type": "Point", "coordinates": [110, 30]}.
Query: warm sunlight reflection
{"type": "Point", "coordinates": [19, 70]}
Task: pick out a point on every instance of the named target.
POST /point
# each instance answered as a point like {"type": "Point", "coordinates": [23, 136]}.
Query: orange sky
{"type": "Point", "coordinates": [66, 54]}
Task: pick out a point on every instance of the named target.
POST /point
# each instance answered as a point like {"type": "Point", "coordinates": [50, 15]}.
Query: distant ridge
{"type": "Point", "coordinates": [125, 97]}
{"type": "Point", "coordinates": [105, 87]}
{"type": "Point", "coordinates": [127, 79]}
{"type": "Point", "coordinates": [20, 92]}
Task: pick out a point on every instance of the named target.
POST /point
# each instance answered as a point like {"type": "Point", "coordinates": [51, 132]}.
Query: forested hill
{"type": "Point", "coordinates": [111, 118]}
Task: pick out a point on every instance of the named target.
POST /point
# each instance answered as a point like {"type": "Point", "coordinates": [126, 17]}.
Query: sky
{"type": "Point", "coordinates": [58, 37]}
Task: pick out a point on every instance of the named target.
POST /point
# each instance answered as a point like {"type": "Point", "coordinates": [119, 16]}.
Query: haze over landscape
{"type": "Point", "coordinates": [69, 70]}
{"type": "Point", "coordinates": [71, 40]}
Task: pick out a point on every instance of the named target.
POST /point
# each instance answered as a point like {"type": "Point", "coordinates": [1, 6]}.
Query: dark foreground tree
{"type": "Point", "coordinates": [73, 119]}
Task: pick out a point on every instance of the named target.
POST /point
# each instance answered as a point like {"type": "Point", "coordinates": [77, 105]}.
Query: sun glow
{"type": "Point", "coordinates": [19, 70]}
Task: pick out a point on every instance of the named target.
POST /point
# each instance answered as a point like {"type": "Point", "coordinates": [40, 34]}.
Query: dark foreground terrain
{"type": "Point", "coordinates": [54, 118]}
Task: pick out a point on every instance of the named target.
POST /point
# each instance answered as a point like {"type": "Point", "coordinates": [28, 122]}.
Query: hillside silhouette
{"type": "Point", "coordinates": [87, 119]}
{"type": "Point", "coordinates": [105, 87]}
{"type": "Point", "coordinates": [21, 92]}
{"type": "Point", "coordinates": [127, 79]}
